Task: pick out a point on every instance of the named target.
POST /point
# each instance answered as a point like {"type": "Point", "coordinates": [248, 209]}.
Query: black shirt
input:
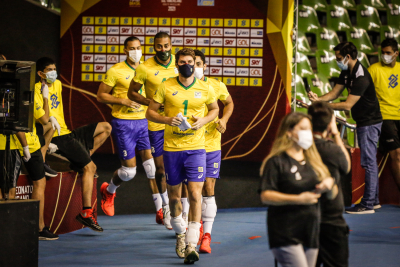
{"type": "Point", "coordinates": [366, 111]}
{"type": "Point", "coordinates": [335, 160]}
{"type": "Point", "coordinates": [291, 224]}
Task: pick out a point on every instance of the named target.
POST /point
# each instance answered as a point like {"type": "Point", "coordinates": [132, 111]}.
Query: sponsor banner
{"type": "Point", "coordinates": [87, 67]}
{"type": "Point", "coordinates": [100, 21]}
{"type": "Point", "coordinates": [87, 20]}
{"type": "Point", "coordinates": [217, 22]}
{"type": "Point", "coordinates": [177, 21]}
{"type": "Point", "coordinates": [177, 31]}
{"type": "Point", "coordinates": [203, 22]}
{"type": "Point", "coordinates": [242, 72]}
{"type": "Point", "coordinates": [100, 48]}
{"type": "Point", "coordinates": [242, 81]}
{"type": "Point", "coordinates": [87, 39]}
{"type": "Point", "coordinates": [99, 77]}
{"type": "Point", "coordinates": [112, 39]}
{"type": "Point", "coordinates": [255, 72]}
{"type": "Point", "coordinates": [229, 32]}
{"type": "Point", "coordinates": [207, 60]}
{"type": "Point", "coordinates": [87, 48]}
{"type": "Point", "coordinates": [207, 72]}
{"type": "Point", "coordinates": [229, 72]}
{"type": "Point", "coordinates": [149, 49]}
{"type": "Point", "coordinates": [138, 21]}
{"type": "Point", "coordinates": [100, 30]}
{"type": "Point", "coordinates": [257, 23]}
{"type": "Point", "coordinates": [122, 58]}
{"type": "Point", "coordinates": [217, 32]}
{"type": "Point", "coordinates": [151, 30]}
{"type": "Point", "coordinates": [242, 62]}
{"type": "Point", "coordinates": [124, 30]}
{"type": "Point", "coordinates": [229, 22]}
{"type": "Point", "coordinates": [243, 33]}
{"type": "Point", "coordinates": [243, 42]}
{"type": "Point", "coordinates": [100, 67]}
{"type": "Point", "coordinates": [87, 29]}
{"type": "Point", "coordinates": [204, 50]}
{"type": "Point", "coordinates": [216, 61]}
{"type": "Point", "coordinates": [229, 81]}
{"type": "Point", "coordinates": [190, 31]}
{"type": "Point", "coordinates": [112, 59]}
{"type": "Point", "coordinates": [189, 41]}
{"type": "Point", "coordinates": [165, 29]}
{"type": "Point", "coordinates": [229, 61]}
{"type": "Point", "coordinates": [191, 22]}
{"type": "Point", "coordinates": [164, 22]}
{"type": "Point", "coordinates": [256, 42]}
{"type": "Point", "coordinates": [203, 41]}
{"type": "Point", "coordinates": [215, 71]}
{"type": "Point", "coordinates": [150, 21]}
{"type": "Point", "coordinates": [100, 58]}
{"type": "Point", "coordinates": [203, 32]}
{"type": "Point", "coordinates": [243, 23]}
{"type": "Point", "coordinates": [137, 31]}
{"type": "Point", "coordinates": [176, 41]}
{"type": "Point", "coordinates": [256, 33]}
{"type": "Point", "coordinates": [87, 77]}
{"type": "Point", "coordinates": [256, 52]}
{"type": "Point", "coordinates": [242, 52]}
{"type": "Point", "coordinates": [141, 38]}
{"type": "Point", "coordinates": [256, 62]}
{"type": "Point", "coordinates": [175, 49]}
{"type": "Point", "coordinates": [149, 40]}
{"type": "Point", "coordinates": [109, 66]}
{"type": "Point", "coordinates": [255, 82]}
{"type": "Point", "coordinates": [126, 21]}
{"type": "Point", "coordinates": [205, 2]}
{"type": "Point", "coordinates": [87, 58]}
{"type": "Point", "coordinates": [216, 42]}
{"type": "Point", "coordinates": [216, 51]}
{"type": "Point", "coordinates": [229, 41]}
{"type": "Point", "coordinates": [113, 30]}
{"type": "Point", "coordinates": [229, 51]}
{"type": "Point", "coordinates": [98, 39]}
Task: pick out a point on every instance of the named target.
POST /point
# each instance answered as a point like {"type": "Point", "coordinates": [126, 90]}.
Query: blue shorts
{"type": "Point", "coordinates": [128, 135]}
{"type": "Point", "coordinates": [157, 143]}
{"type": "Point", "coordinates": [182, 165]}
{"type": "Point", "coordinates": [213, 164]}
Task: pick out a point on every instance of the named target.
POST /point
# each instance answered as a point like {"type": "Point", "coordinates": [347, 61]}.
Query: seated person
{"type": "Point", "coordinates": [77, 146]}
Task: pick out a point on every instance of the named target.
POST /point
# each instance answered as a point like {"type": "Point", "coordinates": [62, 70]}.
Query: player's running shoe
{"type": "Point", "coordinates": [180, 245]}
{"type": "Point", "coordinates": [107, 200]}
{"type": "Point", "coordinates": [87, 219]}
{"type": "Point", "coordinates": [201, 233]}
{"type": "Point", "coordinates": [205, 244]}
{"type": "Point", "coordinates": [159, 217]}
{"type": "Point", "coordinates": [191, 254]}
{"type": "Point", "coordinates": [167, 217]}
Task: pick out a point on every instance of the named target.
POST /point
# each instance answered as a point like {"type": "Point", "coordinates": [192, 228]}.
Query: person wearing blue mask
{"type": "Point", "coordinates": [365, 110]}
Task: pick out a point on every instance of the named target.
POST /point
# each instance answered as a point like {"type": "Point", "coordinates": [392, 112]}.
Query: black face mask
{"type": "Point", "coordinates": [163, 55]}
{"type": "Point", "coordinates": [186, 70]}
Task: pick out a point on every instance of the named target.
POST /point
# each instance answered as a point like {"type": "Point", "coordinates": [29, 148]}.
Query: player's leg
{"type": "Point", "coordinates": [100, 135]}
{"type": "Point", "coordinates": [185, 203]}
{"type": "Point", "coordinates": [209, 205]}
{"type": "Point", "coordinates": [45, 134]}
{"type": "Point", "coordinates": [195, 170]}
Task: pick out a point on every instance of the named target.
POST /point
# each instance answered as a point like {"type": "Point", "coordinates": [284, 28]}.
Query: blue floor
{"type": "Point", "coordinates": [136, 240]}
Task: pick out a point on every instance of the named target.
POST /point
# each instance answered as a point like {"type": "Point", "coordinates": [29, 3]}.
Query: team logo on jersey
{"type": "Point", "coordinates": [216, 165]}
{"type": "Point", "coordinates": [215, 172]}
{"type": "Point", "coordinates": [197, 94]}
{"type": "Point", "coordinates": [155, 74]}
{"type": "Point", "coordinates": [54, 102]}
{"type": "Point", "coordinates": [200, 169]}
{"type": "Point", "coordinates": [128, 77]}
{"type": "Point", "coordinates": [174, 93]}
{"type": "Point", "coordinates": [393, 81]}
{"type": "Point", "coordinates": [201, 175]}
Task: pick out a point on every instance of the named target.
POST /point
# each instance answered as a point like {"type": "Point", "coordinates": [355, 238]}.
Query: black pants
{"type": "Point", "coordinates": [333, 246]}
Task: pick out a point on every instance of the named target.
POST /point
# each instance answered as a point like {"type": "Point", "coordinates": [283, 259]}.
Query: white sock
{"type": "Point", "coordinates": [207, 227]}
{"type": "Point", "coordinates": [208, 213]}
{"type": "Point", "coordinates": [111, 187]}
{"type": "Point", "coordinates": [185, 205]}
{"type": "Point", "coordinates": [165, 199]}
{"type": "Point", "coordinates": [193, 233]}
{"type": "Point", "coordinates": [157, 201]}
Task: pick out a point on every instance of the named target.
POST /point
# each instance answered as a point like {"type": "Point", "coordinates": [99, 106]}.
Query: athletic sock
{"type": "Point", "coordinates": [193, 233]}
{"type": "Point", "coordinates": [111, 187]}
{"type": "Point", "coordinates": [209, 211]}
{"type": "Point", "coordinates": [207, 226]}
{"type": "Point", "coordinates": [165, 198]}
{"type": "Point", "coordinates": [185, 205]}
{"type": "Point", "coordinates": [157, 201]}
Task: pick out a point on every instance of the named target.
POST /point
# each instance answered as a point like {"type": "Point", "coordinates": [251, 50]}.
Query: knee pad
{"type": "Point", "coordinates": [178, 224]}
{"type": "Point", "coordinates": [150, 168]}
{"type": "Point", "coordinates": [126, 173]}
{"type": "Point", "coordinates": [208, 209]}
{"type": "Point", "coordinates": [193, 233]}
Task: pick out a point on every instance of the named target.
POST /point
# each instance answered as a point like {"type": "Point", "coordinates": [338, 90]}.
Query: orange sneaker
{"type": "Point", "coordinates": [107, 201]}
{"type": "Point", "coordinates": [201, 233]}
{"type": "Point", "coordinates": [205, 244]}
{"type": "Point", "coordinates": [159, 217]}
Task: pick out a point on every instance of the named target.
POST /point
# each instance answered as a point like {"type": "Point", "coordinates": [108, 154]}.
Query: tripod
{"type": "Point", "coordinates": [7, 178]}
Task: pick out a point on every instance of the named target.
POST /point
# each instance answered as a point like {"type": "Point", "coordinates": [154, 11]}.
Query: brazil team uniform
{"type": "Point", "coordinates": [184, 152]}
{"type": "Point", "coordinates": [130, 128]}
{"type": "Point", "coordinates": [388, 92]}
{"type": "Point", "coordinates": [212, 135]}
{"type": "Point", "coordinates": [151, 74]}
{"type": "Point", "coordinates": [75, 145]}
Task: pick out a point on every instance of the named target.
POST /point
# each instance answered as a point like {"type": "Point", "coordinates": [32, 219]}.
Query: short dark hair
{"type": "Point", "coordinates": [321, 115]}
{"type": "Point", "coordinates": [347, 48]}
{"type": "Point", "coordinates": [43, 62]}
{"type": "Point", "coordinates": [130, 39]}
{"type": "Point", "coordinates": [185, 52]}
{"type": "Point", "coordinates": [162, 35]}
{"type": "Point", "coordinates": [390, 42]}
{"type": "Point", "coordinates": [200, 54]}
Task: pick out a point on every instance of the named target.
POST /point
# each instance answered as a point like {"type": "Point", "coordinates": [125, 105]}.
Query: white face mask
{"type": "Point", "coordinates": [51, 76]}
{"type": "Point", "coordinates": [342, 65]}
{"type": "Point", "coordinates": [198, 73]}
{"type": "Point", "coordinates": [305, 140]}
{"type": "Point", "coordinates": [135, 55]}
{"type": "Point", "coordinates": [387, 59]}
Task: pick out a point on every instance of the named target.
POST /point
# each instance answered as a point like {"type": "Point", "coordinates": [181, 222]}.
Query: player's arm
{"type": "Point", "coordinates": [213, 110]}
{"type": "Point", "coordinates": [134, 95]}
{"type": "Point", "coordinates": [25, 148]}
{"type": "Point", "coordinates": [104, 96]}
{"type": "Point", "coordinates": [336, 137]}
{"type": "Point", "coordinates": [228, 110]}
{"type": "Point", "coordinates": [346, 105]}
{"type": "Point", "coordinates": [154, 116]}
{"type": "Point", "coordinates": [331, 95]}
{"type": "Point", "coordinates": [44, 119]}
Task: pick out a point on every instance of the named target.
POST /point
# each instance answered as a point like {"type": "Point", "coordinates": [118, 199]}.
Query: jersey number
{"type": "Point", "coordinates": [185, 103]}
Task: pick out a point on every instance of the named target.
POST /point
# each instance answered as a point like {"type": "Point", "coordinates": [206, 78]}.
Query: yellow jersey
{"type": "Point", "coordinates": [151, 74]}
{"type": "Point", "coordinates": [190, 101]}
{"type": "Point", "coordinates": [212, 135]}
{"type": "Point", "coordinates": [55, 105]}
{"type": "Point", "coordinates": [13, 142]}
{"type": "Point", "coordinates": [387, 87]}
{"type": "Point", "coordinates": [119, 78]}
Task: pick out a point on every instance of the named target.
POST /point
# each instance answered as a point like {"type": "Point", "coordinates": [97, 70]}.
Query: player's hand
{"type": "Point", "coordinates": [131, 104]}
{"type": "Point", "coordinates": [174, 121]}
{"type": "Point", "coordinates": [333, 126]}
{"type": "Point", "coordinates": [313, 96]}
{"type": "Point", "coordinates": [199, 122]}
{"type": "Point", "coordinates": [308, 198]}
{"type": "Point", "coordinates": [221, 125]}
{"type": "Point", "coordinates": [324, 186]}
{"type": "Point", "coordinates": [45, 90]}
{"type": "Point", "coordinates": [52, 148]}
{"type": "Point", "coordinates": [55, 124]}
{"type": "Point", "coordinates": [27, 154]}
